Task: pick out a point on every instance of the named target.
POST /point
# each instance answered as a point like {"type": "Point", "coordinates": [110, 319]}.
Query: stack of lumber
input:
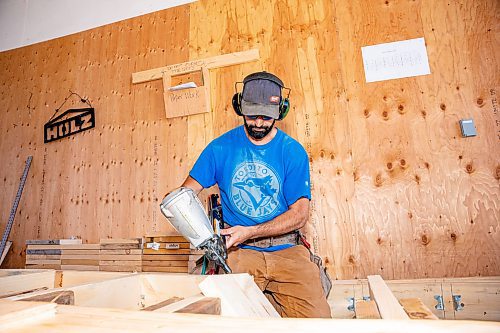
{"type": "Point", "coordinates": [166, 254]}
{"type": "Point", "coordinates": [120, 255]}
{"type": "Point", "coordinates": [47, 253]}
{"type": "Point", "coordinates": [80, 257]}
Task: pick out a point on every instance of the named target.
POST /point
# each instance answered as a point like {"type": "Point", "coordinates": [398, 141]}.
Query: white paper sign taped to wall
{"type": "Point", "coordinates": [395, 60]}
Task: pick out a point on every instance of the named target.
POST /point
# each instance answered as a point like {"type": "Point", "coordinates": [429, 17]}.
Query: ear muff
{"type": "Point", "coordinates": [284, 108]}
{"type": "Point", "coordinates": [237, 103]}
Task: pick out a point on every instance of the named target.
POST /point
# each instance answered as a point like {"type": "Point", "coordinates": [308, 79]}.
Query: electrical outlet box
{"type": "Point", "coordinates": [467, 127]}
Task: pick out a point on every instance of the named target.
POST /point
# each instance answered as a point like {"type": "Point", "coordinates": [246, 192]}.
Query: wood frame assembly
{"type": "Point", "coordinates": [132, 300]}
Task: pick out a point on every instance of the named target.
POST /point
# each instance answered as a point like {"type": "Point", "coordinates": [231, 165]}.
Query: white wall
{"type": "Point", "coordinates": [25, 22]}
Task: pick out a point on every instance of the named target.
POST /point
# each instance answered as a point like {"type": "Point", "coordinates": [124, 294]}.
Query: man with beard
{"type": "Point", "coordinates": [263, 178]}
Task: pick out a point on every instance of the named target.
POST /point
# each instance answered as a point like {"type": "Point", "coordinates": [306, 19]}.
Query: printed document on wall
{"type": "Point", "coordinates": [395, 60]}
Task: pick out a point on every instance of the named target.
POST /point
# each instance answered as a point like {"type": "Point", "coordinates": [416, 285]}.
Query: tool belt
{"type": "Point", "coordinates": [291, 237]}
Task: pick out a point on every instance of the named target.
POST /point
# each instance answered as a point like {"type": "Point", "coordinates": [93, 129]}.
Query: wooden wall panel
{"type": "Point", "coordinates": [396, 190]}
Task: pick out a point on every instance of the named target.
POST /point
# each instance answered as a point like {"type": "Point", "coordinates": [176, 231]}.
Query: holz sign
{"type": "Point", "coordinates": [63, 125]}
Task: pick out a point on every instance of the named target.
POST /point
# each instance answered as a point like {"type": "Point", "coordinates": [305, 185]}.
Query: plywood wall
{"type": "Point", "coordinates": [396, 190]}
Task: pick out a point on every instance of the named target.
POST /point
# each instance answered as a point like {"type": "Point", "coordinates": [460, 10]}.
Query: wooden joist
{"type": "Point", "coordinates": [239, 295]}
{"type": "Point", "coordinates": [388, 305]}
{"type": "Point", "coordinates": [416, 309]}
{"type": "Point", "coordinates": [366, 310]}
{"type": "Point", "coordinates": [49, 317]}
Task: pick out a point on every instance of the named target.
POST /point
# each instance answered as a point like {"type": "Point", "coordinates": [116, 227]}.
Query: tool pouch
{"type": "Point", "coordinates": [326, 281]}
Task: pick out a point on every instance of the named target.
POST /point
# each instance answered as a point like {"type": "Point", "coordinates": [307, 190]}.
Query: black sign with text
{"type": "Point", "coordinates": [70, 122]}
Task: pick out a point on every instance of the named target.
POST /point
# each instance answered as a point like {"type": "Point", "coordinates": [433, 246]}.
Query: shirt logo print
{"type": "Point", "coordinates": [254, 190]}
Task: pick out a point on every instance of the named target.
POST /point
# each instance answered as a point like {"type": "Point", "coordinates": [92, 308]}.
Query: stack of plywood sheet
{"type": "Point", "coordinates": [120, 255]}
{"type": "Point", "coordinates": [46, 253]}
{"type": "Point", "coordinates": [166, 254]}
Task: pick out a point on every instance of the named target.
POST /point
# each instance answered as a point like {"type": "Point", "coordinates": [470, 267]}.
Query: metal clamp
{"type": "Point", "coordinates": [440, 304]}
{"type": "Point", "coordinates": [457, 302]}
{"type": "Point", "coordinates": [350, 307]}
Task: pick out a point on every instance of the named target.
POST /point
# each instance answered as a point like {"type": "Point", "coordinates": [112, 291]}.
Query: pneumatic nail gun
{"type": "Point", "coordinates": [185, 212]}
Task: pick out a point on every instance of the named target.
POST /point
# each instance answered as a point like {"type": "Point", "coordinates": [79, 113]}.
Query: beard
{"type": "Point", "coordinates": [259, 134]}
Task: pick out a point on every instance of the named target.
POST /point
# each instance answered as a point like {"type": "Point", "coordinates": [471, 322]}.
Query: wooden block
{"type": "Point", "coordinates": [121, 252]}
{"type": "Point", "coordinates": [165, 251]}
{"type": "Point", "coordinates": [43, 257]}
{"type": "Point", "coordinates": [120, 257]}
{"type": "Point", "coordinates": [416, 309]}
{"type": "Point", "coordinates": [80, 267]}
{"type": "Point", "coordinates": [167, 239]}
{"type": "Point", "coordinates": [120, 241]}
{"type": "Point", "coordinates": [43, 252]}
{"type": "Point", "coordinates": [164, 263]}
{"type": "Point", "coordinates": [43, 266]}
{"type": "Point", "coordinates": [120, 246]}
{"type": "Point", "coordinates": [85, 252]}
{"type": "Point", "coordinates": [239, 295]}
{"type": "Point", "coordinates": [162, 257]}
{"type": "Point", "coordinates": [53, 241]}
{"type": "Point", "coordinates": [120, 262]}
{"type": "Point", "coordinates": [366, 310]}
{"type": "Point", "coordinates": [388, 305]}
{"type": "Point", "coordinates": [165, 269]}
{"type": "Point", "coordinates": [80, 256]}
{"type": "Point", "coordinates": [64, 247]}
{"type": "Point", "coordinates": [43, 262]}
{"type": "Point", "coordinates": [168, 246]}
{"type": "Point", "coordinates": [86, 262]}
{"type": "Point", "coordinates": [120, 268]}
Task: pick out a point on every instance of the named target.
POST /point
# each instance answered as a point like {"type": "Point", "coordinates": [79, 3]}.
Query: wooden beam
{"type": "Point", "coordinates": [416, 309]}
{"type": "Point", "coordinates": [64, 297]}
{"type": "Point", "coordinates": [163, 304]}
{"type": "Point", "coordinates": [388, 305]}
{"type": "Point", "coordinates": [366, 310]}
{"type": "Point", "coordinates": [239, 295]}
{"type": "Point", "coordinates": [207, 305]}
{"type": "Point", "coordinates": [13, 313]}
{"type": "Point", "coordinates": [190, 66]}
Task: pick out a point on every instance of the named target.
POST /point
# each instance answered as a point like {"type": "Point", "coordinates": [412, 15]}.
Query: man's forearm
{"type": "Point", "coordinates": [294, 218]}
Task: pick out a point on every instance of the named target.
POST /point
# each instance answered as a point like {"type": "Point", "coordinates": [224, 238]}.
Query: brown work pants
{"type": "Point", "coordinates": [287, 277]}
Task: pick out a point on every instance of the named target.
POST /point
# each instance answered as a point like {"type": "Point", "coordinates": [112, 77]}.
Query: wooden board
{"type": "Point", "coordinates": [239, 296]}
{"type": "Point", "coordinates": [416, 309]}
{"type": "Point", "coordinates": [388, 306]}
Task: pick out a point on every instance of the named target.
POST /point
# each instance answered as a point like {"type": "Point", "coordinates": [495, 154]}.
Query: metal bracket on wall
{"type": "Point", "coordinates": [351, 305]}
{"type": "Point", "coordinates": [440, 304]}
{"type": "Point", "coordinates": [457, 302]}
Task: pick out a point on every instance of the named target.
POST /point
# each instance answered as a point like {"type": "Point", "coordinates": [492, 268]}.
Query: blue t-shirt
{"type": "Point", "coordinates": [256, 183]}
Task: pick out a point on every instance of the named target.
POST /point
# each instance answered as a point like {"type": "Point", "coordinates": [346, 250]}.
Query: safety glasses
{"type": "Point", "coordinates": [265, 118]}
